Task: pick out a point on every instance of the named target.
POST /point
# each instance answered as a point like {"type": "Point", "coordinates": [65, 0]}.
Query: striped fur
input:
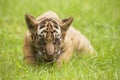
{"type": "Point", "coordinates": [50, 39]}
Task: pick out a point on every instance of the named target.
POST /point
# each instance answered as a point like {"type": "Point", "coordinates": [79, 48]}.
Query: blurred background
{"type": "Point", "coordinates": [99, 20]}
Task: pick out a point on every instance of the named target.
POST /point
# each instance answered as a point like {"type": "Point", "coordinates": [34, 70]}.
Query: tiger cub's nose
{"type": "Point", "coordinates": [50, 49]}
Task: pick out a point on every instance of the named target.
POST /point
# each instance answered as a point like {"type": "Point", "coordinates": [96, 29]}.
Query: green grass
{"type": "Point", "coordinates": [99, 20]}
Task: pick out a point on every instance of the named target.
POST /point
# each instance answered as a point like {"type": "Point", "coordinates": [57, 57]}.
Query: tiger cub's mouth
{"type": "Point", "coordinates": [49, 58]}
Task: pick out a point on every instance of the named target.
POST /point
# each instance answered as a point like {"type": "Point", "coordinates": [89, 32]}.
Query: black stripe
{"type": "Point", "coordinates": [42, 26]}
{"type": "Point", "coordinates": [56, 26]}
{"type": "Point", "coordinates": [40, 35]}
{"type": "Point", "coordinates": [54, 22]}
{"type": "Point", "coordinates": [55, 31]}
{"type": "Point", "coordinates": [43, 31]}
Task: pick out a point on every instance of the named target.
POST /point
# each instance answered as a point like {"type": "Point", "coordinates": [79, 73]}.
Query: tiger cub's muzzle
{"type": "Point", "coordinates": [50, 53]}
{"type": "Point", "coordinates": [50, 50]}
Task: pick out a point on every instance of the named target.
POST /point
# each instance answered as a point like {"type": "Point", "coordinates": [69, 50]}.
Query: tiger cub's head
{"type": "Point", "coordinates": [47, 35]}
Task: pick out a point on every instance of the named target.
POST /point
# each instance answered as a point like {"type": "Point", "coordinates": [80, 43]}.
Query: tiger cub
{"type": "Point", "coordinates": [51, 39]}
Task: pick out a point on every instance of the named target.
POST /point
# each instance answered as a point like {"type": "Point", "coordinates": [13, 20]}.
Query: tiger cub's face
{"type": "Point", "coordinates": [47, 35]}
{"type": "Point", "coordinates": [49, 38]}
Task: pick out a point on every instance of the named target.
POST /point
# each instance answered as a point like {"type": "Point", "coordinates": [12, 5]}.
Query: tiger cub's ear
{"type": "Point", "coordinates": [66, 24]}
{"type": "Point", "coordinates": [31, 22]}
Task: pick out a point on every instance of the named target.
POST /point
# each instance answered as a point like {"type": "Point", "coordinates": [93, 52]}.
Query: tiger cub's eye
{"type": "Point", "coordinates": [42, 41]}
{"type": "Point", "coordinates": [57, 41]}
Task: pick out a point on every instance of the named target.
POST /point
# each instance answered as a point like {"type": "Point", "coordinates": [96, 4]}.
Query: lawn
{"type": "Point", "coordinates": [99, 20]}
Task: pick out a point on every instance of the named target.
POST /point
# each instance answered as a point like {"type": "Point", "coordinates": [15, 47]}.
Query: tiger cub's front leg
{"type": "Point", "coordinates": [28, 55]}
{"type": "Point", "coordinates": [66, 55]}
